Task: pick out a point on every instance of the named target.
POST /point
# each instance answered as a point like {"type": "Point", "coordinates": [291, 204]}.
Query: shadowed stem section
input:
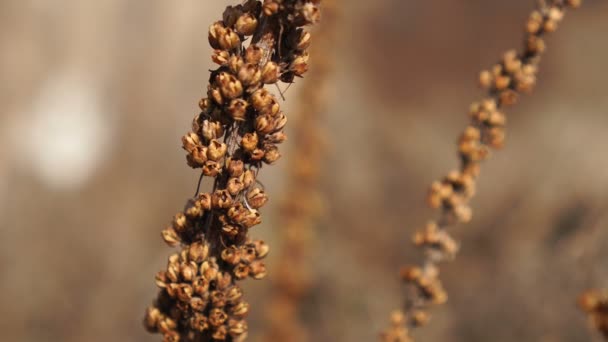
{"type": "Point", "coordinates": [505, 81]}
{"type": "Point", "coordinates": [237, 131]}
{"type": "Point", "coordinates": [300, 213]}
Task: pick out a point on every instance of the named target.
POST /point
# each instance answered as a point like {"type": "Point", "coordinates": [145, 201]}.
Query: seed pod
{"type": "Point", "coordinates": [264, 124]}
{"type": "Point", "coordinates": [304, 41]}
{"type": "Point", "coordinates": [238, 109]}
{"type": "Point", "coordinates": [216, 150]}
{"type": "Point", "coordinates": [270, 8]}
{"type": "Point", "coordinates": [248, 178]}
{"type": "Point", "coordinates": [299, 66]}
{"type": "Point", "coordinates": [235, 63]}
{"type": "Point", "coordinates": [310, 13]}
{"type": "Point", "coordinates": [240, 310]}
{"type": "Point", "coordinates": [270, 73]}
{"type": "Point", "coordinates": [216, 30]}
{"type": "Point", "coordinates": [230, 86]}
{"type": "Point", "coordinates": [221, 199]}
{"type": "Point", "coordinates": [237, 327]}
{"type": "Point", "coordinates": [211, 130]}
{"type": "Point", "coordinates": [261, 249]}
{"type": "Point", "coordinates": [253, 54]}
{"type": "Point", "coordinates": [246, 24]}
{"type": "Point", "coordinates": [271, 154]}
{"type": "Point", "coordinates": [212, 168]}
{"type": "Point", "coordinates": [220, 57]}
{"type": "Point", "coordinates": [235, 186]}
{"type": "Point", "coordinates": [261, 99]}
{"type": "Point", "coordinates": [217, 317]}
{"type": "Point", "coordinates": [241, 271]}
{"type": "Point", "coordinates": [231, 255]}
{"type": "Point", "coordinates": [198, 321]}
{"type": "Point", "coordinates": [228, 39]}
{"type": "Point", "coordinates": [276, 138]}
{"type": "Point", "coordinates": [249, 141]}
{"type": "Point", "coordinates": [204, 201]}
{"type": "Point", "coordinates": [198, 251]}
{"type": "Point", "coordinates": [250, 75]}
{"type": "Point", "coordinates": [257, 270]}
{"type": "Point", "coordinates": [257, 198]}
{"type": "Point", "coordinates": [170, 237]}
{"type": "Point", "coordinates": [280, 122]}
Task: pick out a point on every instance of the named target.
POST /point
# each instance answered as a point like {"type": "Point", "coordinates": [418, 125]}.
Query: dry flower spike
{"type": "Point", "coordinates": [294, 276]}
{"type": "Point", "coordinates": [236, 133]}
{"type": "Point", "coordinates": [505, 81]}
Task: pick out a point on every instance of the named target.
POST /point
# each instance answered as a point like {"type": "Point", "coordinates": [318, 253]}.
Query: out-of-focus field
{"type": "Point", "coordinates": [96, 95]}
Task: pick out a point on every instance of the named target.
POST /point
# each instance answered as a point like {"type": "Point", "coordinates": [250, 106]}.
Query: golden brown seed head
{"type": "Point", "coordinates": [229, 40]}
{"type": "Point", "coordinates": [216, 150]}
{"type": "Point", "coordinates": [211, 130]}
{"type": "Point", "coordinates": [264, 124]}
{"type": "Point", "coordinates": [271, 7]}
{"type": "Point", "coordinates": [204, 201]}
{"type": "Point", "coordinates": [198, 251]}
{"type": "Point", "coordinates": [241, 271]}
{"type": "Point", "coordinates": [236, 168]}
{"type": "Point", "coordinates": [299, 66]}
{"type": "Point", "coordinates": [249, 142]}
{"type": "Point", "coordinates": [230, 86]}
{"type": "Point", "coordinates": [253, 54]}
{"type": "Point", "coordinates": [311, 13]}
{"type": "Point", "coordinates": [170, 237]}
{"type": "Point", "coordinates": [248, 178]}
{"type": "Point", "coordinates": [261, 99]}
{"type": "Point", "coordinates": [216, 30]}
{"type": "Point", "coordinates": [231, 255]}
{"type": "Point", "coordinates": [240, 310]}
{"type": "Point", "coordinates": [270, 73]}
{"type": "Point", "coordinates": [261, 249]}
{"type": "Point", "coordinates": [250, 74]}
{"type": "Point", "coordinates": [220, 57]}
{"type": "Point", "coordinates": [235, 186]}
{"type": "Point", "coordinates": [217, 317]}
{"type": "Point", "coordinates": [238, 109]}
{"type": "Point", "coordinates": [257, 270]}
{"type": "Point", "coordinates": [271, 154]}
{"type": "Point", "coordinates": [246, 24]}
{"type": "Point", "coordinates": [257, 198]}
{"type": "Point", "coordinates": [304, 41]}
{"type": "Point", "coordinates": [237, 327]}
{"type": "Point", "coordinates": [235, 63]}
{"type": "Point", "coordinates": [221, 199]}
{"type": "Point", "coordinates": [204, 104]}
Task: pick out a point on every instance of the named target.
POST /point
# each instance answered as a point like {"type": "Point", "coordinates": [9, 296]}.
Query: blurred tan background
{"type": "Point", "coordinates": [96, 95]}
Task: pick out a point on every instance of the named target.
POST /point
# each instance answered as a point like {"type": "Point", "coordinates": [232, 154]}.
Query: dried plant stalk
{"type": "Point", "coordinates": [237, 131]}
{"type": "Point", "coordinates": [595, 304]}
{"type": "Point", "coordinates": [513, 75]}
{"type": "Point", "coordinates": [299, 214]}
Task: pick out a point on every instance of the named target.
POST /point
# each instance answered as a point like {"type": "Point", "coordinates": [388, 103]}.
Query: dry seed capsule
{"type": "Point", "coordinates": [246, 24]}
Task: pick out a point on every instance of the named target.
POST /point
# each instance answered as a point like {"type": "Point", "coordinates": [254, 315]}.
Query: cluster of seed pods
{"type": "Point", "coordinates": [505, 81]}
{"type": "Point", "coordinates": [236, 133]}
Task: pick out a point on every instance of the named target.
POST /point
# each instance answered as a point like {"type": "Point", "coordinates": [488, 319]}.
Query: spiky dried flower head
{"type": "Point", "coordinates": [513, 75]}
{"type": "Point", "coordinates": [237, 132]}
